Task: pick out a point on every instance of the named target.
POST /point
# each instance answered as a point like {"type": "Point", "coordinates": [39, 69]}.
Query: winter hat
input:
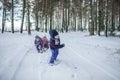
{"type": "Point", "coordinates": [53, 33]}
{"type": "Point", "coordinates": [37, 36]}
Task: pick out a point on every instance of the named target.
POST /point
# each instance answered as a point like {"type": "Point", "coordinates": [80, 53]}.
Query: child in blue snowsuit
{"type": "Point", "coordinates": [54, 45]}
{"type": "Point", "coordinates": [38, 43]}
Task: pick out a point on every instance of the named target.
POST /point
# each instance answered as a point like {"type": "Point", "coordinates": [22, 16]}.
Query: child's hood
{"type": "Point", "coordinates": [53, 33]}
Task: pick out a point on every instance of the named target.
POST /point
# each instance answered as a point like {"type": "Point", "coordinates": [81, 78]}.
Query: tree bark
{"type": "Point", "coordinates": [106, 27]}
{"type": "Point", "coordinates": [119, 18]}
{"type": "Point", "coordinates": [51, 9]}
{"type": "Point", "coordinates": [113, 19]}
{"type": "Point", "coordinates": [23, 15]}
{"type": "Point", "coordinates": [46, 17]}
{"type": "Point", "coordinates": [62, 16]}
{"type": "Point", "coordinates": [3, 16]}
{"type": "Point", "coordinates": [81, 28]}
{"type": "Point", "coordinates": [96, 17]}
{"type": "Point", "coordinates": [12, 22]}
{"type": "Point", "coordinates": [91, 20]}
{"type": "Point", "coordinates": [36, 15]}
{"type": "Point", "coordinates": [100, 17]}
{"type": "Point", "coordinates": [28, 16]}
{"type": "Point", "coordinates": [67, 16]}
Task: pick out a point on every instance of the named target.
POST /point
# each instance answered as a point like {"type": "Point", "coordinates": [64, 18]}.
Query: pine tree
{"type": "Point", "coordinates": [12, 21]}
{"type": "Point", "coordinates": [106, 27]}
{"type": "Point", "coordinates": [51, 14]}
{"type": "Point", "coordinates": [4, 15]}
{"type": "Point", "coordinates": [113, 18]}
{"type": "Point", "coordinates": [91, 20]}
{"type": "Point", "coordinates": [36, 14]}
{"type": "Point", "coordinates": [62, 15]}
{"type": "Point", "coordinates": [100, 21]}
{"type": "Point", "coordinates": [119, 18]}
{"type": "Point", "coordinates": [28, 17]}
{"type": "Point", "coordinates": [23, 15]}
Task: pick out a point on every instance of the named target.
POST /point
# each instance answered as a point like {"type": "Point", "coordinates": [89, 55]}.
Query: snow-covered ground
{"type": "Point", "coordinates": [83, 58]}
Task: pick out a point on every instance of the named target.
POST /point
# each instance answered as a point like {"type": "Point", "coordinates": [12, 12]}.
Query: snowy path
{"type": "Point", "coordinates": [95, 66]}
{"type": "Point", "coordinates": [35, 66]}
{"type": "Point", "coordinates": [80, 60]}
{"type": "Point", "coordinates": [28, 67]}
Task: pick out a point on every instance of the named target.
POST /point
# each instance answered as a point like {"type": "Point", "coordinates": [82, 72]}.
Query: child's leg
{"type": "Point", "coordinates": [53, 56]}
{"type": "Point", "coordinates": [56, 53]}
{"type": "Point", "coordinates": [37, 47]}
{"type": "Point", "coordinates": [40, 49]}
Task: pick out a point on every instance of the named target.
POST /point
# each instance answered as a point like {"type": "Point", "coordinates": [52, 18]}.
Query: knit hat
{"type": "Point", "coordinates": [37, 36]}
{"type": "Point", "coordinates": [53, 33]}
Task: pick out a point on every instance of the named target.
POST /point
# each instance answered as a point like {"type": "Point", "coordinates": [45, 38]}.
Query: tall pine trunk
{"type": "Point", "coordinates": [99, 17]}
{"type": "Point", "coordinates": [46, 23]}
{"type": "Point", "coordinates": [28, 17]}
{"type": "Point", "coordinates": [119, 18]}
{"type": "Point", "coordinates": [106, 27]}
{"type": "Point", "coordinates": [74, 18]}
{"type": "Point", "coordinates": [81, 1]}
{"type": "Point", "coordinates": [96, 16]}
{"type": "Point", "coordinates": [36, 15]}
{"type": "Point", "coordinates": [65, 18]}
{"type": "Point", "coordinates": [51, 9]}
{"type": "Point", "coordinates": [62, 16]}
{"type": "Point", "coordinates": [12, 22]}
{"type": "Point", "coordinates": [36, 23]}
{"type": "Point", "coordinates": [68, 16]}
{"type": "Point", "coordinates": [3, 16]}
{"type": "Point", "coordinates": [23, 16]}
{"type": "Point", "coordinates": [50, 20]}
{"type": "Point", "coordinates": [113, 19]}
{"type": "Point", "coordinates": [46, 16]}
{"type": "Point", "coordinates": [91, 20]}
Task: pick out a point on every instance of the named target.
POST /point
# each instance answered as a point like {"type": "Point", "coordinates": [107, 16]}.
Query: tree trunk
{"type": "Point", "coordinates": [3, 20]}
{"type": "Point", "coordinates": [46, 17]}
{"type": "Point", "coordinates": [62, 16]}
{"type": "Point", "coordinates": [23, 15]}
{"type": "Point", "coordinates": [36, 15]}
{"type": "Point", "coordinates": [113, 19]}
{"type": "Point", "coordinates": [91, 20]}
{"type": "Point", "coordinates": [81, 15]}
{"type": "Point", "coordinates": [74, 18]}
{"type": "Point", "coordinates": [106, 27]}
{"type": "Point", "coordinates": [4, 16]}
{"type": "Point", "coordinates": [96, 17]}
{"type": "Point", "coordinates": [12, 23]}
{"type": "Point", "coordinates": [66, 24]}
{"type": "Point", "coordinates": [45, 23]}
{"type": "Point", "coordinates": [68, 16]}
{"type": "Point", "coordinates": [28, 16]}
{"type": "Point", "coordinates": [51, 9]}
{"type": "Point", "coordinates": [119, 18]}
{"type": "Point", "coordinates": [36, 23]}
{"type": "Point", "coordinates": [100, 17]}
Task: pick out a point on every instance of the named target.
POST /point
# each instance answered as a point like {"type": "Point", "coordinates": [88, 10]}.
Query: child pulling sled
{"type": "Point", "coordinates": [54, 46]}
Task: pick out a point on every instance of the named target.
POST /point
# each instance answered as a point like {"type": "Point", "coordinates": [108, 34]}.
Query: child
{"type": "Point", "coordinates": [54, 45]}
{"type": "Point", "coordinates": [38, 43]}
{"type": "Point", "coordinates": [45, 43]}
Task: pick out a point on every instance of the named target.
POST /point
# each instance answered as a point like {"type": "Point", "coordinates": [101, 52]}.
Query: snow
{"type": "Point", "coordinates": [84, 57]}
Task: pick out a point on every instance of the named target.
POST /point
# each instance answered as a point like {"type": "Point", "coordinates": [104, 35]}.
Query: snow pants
{"type": "Point", "coordinates": [54, 55]}
{"type": "Point", "coordinates": [38, 47]}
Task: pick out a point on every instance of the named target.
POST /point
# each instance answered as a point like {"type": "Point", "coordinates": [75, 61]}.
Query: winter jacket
{"type": "Point", "coordinates": [38, 42]}
{"type": "Point", "coordinates": [54, 43]}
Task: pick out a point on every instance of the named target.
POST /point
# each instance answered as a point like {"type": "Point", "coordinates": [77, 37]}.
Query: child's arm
{"type": "Point", "coordinates": [53, 46]}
